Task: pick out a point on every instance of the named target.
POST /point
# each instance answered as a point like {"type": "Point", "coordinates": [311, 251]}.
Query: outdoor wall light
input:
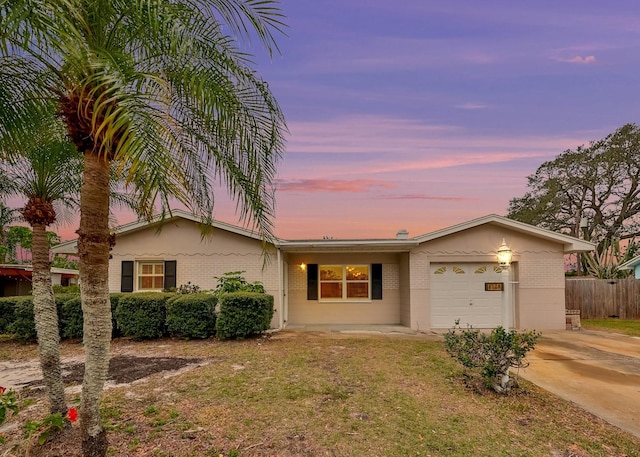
{"type": "Point", "coordinates": [504, 255]}
{"type": "Point", "coordinates": [303, 266]}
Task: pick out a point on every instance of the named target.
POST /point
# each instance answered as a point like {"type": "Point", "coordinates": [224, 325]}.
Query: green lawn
{"type": "Point", "coordinates": [311, 394]}
{"type": "Point", "coordinates": [627, 327]}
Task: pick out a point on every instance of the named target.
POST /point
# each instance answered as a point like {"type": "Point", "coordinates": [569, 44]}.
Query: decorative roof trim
{"type": "Point", "coordinates": [570, 243]}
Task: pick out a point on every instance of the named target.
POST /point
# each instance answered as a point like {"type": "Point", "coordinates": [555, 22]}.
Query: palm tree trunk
{"type": "Point", "coordinates": [93, 250]}
{"type": "Point", "coordinates": [46, 318]}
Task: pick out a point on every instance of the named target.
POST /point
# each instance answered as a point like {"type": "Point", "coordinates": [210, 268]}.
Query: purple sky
{"type": "Point", "coordinates": [421, 114]}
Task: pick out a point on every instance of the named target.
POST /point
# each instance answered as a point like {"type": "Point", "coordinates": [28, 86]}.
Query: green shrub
{"type": "Point", "coordinates": [115, 299]}
{"type": "Point", "coordinates": [243, 314]}
{"type": "Point", "coordinates": [188, 288]}
{"type": "Point", "coordinates": [142, 315]}
{"type": "Point", "coordinates": [71, 317]}
{"type": "Point", "coordinates": [233, 281]}
{"type": "Point", "coordinates": [72, 320]}
{"type": "Point", "coordinates": [23, 326]}
{"type": "Point", "coordinates": [7, 312]}
{"type": "Point", "coordinates": [493, 354]}
{"type": "Point", "coordinates": [73, 289]}
{"type": "Point", "coordinates": [191, 315]}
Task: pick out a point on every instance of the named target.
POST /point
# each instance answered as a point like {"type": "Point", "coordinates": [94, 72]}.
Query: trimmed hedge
{"type": "Point", "coordinates": [191, 315]}
{"type": "Point", "coordinates": [23, 326]}
{"type": "Point", "coordinates": [143, 315]}
{"type": "Point", "coordinates": [73, 319]}
{"type": "Point", "coordinates": [7, 312]}
{"type": "Point", "coordinates": [243, 314]}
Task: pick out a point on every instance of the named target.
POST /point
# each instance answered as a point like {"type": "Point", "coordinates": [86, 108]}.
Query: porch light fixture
{"type": "Point", "coordinates": [504, 255]}
{"type": "Point", "coordinates": [303, 266]}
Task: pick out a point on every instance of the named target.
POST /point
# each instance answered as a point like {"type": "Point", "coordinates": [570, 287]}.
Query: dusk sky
{"type": "Point", "coordinates": [421, 114]}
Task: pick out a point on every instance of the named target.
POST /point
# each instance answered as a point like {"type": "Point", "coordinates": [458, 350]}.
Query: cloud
{"type": "Point", "coordinates": [422, 197]}
{"type": "Point", "coordinates": [330, 185]}
{"type": "Point", "coordinates": [472, 106]}
{"type": "Point", "coordinates": [577, 59]}
{"type": "Point", "coordinates": [348, 147]}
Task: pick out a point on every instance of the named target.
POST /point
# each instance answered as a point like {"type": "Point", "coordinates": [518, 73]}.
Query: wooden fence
{"type": "Point", "coordinates": [600, 298]}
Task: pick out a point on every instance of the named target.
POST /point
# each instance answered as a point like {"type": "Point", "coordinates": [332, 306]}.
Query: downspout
{"type": "Point", "coordinates": [280, 292]}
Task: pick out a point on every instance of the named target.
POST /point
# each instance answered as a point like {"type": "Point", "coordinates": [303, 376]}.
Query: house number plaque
{"type": "Point", "coordinates": [494, 286]}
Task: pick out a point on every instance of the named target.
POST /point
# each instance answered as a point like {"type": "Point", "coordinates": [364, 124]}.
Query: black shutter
{"type": "Point", "coordinates": [169, 274]}
{"type": "Point", "coordinates": [376, 281]}
{"type": "Point", "coordinates": [126, 278]}
{"type": "Point", "coordinates": [312, 281]}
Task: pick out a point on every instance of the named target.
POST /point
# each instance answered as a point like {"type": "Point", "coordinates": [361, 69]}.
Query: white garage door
{"type": "Point", "coordinates": [458, 292]}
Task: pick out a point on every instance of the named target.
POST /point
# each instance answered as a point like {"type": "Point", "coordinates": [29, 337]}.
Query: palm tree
{"type": "Point", "coordinates": [157, 90]}
{"type": "Point", "coordinates": [45, 174]}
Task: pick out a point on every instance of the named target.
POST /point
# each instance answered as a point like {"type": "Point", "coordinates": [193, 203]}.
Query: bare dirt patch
{"type": "Point", "coordinates": [124, 369]}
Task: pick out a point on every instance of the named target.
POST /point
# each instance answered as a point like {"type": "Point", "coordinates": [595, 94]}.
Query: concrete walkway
{"type": "Point", "coordinates": [596, 370]}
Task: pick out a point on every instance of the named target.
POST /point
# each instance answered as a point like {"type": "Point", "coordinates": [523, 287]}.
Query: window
{"type": "Point", "coordinates": [150, 275]}
{"type": "Point", "coordinates": [344, 282]}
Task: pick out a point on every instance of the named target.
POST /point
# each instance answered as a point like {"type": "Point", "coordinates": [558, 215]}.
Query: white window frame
{"type": "Point", "coordinates": [344, 281]}
{"type": "Point", "coordinates": [139, 275]}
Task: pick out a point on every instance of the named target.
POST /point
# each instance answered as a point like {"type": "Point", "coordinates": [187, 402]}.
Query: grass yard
{"type": "Point", "coordinates": [626, 327]}
{"type": "Point", "coordinates": [328, 394]}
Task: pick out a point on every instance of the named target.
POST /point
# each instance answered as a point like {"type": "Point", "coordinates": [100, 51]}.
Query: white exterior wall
{"type": "Point", "coordinates": [537, 273]}
{"type": "Point", "coordinates": [303, 311]}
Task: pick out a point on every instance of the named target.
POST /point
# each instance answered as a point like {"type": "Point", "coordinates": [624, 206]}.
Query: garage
{"type": "Point", "coordinates": [458, 291]}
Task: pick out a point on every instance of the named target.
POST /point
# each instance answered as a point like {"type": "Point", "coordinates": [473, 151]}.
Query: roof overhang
{"type": "Point", "coordinates": [71, 247]}
{"type": "Point", "coordinates": [329, 246]}
{"type": "Point", "coordinates": [570, 244]}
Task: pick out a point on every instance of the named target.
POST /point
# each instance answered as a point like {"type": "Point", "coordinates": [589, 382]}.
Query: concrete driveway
{"type": "Point", "coordinates": [596, 370]}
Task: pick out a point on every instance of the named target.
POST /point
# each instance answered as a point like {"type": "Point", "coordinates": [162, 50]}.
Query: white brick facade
{"type": "Point", "coordinates": [537, 274]}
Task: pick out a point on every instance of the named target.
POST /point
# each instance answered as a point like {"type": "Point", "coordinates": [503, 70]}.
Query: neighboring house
{"type": "Point", "coordinates": [633, 264]}
{"type": "Point", "coordinates": [16, 279]}
{"type": "Point", "coordinates": [426, 282]}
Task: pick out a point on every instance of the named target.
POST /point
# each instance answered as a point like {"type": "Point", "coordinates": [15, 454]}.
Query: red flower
{"type": "Point", "coordinates": [2, 390]}
{"type": "Point", "coordinates": [72, 414]}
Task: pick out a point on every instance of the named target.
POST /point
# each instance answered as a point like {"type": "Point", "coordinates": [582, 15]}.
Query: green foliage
{"type": "Point", "coordinates": [72, 289]}
{"type": "Point", "coordinates": [18, 244]}
{"type": "Point", "coordinates": [494, 354]}
{"type": "Point", "coordinates": [191, 315]}
{"type": "Point", "coordinates": [115, 299]}
{"type": "Point", "coordinates": [64, 262]}
{"type": "Point", "coordinates": [142, 315]}
{"type": "Point", "coordinates": [590, 191]}
{"type": "Point", "coordinates": [233, 281]}
{"type": "Point", "coordinates": [188, 288]}
{"type": "Point", "coordinates": [8, 403]}
{"type": "Point", "coordinates": [71, 317]}
{"type": "Point", "coordinates": [243, 314]}
{"type": "Point", "coordinates": [7, 312]}
{"type": "Point", "coordinates": [23, 326]}
{"type": "Point", "coordinates": [605, 262]}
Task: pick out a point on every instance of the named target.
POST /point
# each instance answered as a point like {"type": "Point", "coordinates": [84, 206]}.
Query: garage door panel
{"type": "Point", "coordinates": [458, 293]}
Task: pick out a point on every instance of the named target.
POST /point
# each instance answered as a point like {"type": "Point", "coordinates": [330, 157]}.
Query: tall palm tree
{"type": "Point", "coordinates": [158, 90]}
{"type": "Point", "coordinates": [45, 174]}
